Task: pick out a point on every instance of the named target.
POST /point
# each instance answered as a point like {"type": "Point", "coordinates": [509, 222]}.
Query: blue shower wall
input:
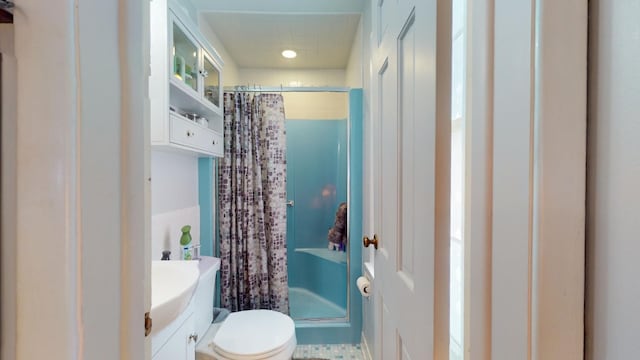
{"type": "Point", "coordinates": [316, 178]}
{"type": "Point", "coordinates": [205, 200]}
{"type": "Point", "coordinates": [317, 183]}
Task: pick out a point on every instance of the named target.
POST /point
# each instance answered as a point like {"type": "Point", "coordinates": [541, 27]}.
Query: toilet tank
{"type": "Point", "coordinates": [203, 295]}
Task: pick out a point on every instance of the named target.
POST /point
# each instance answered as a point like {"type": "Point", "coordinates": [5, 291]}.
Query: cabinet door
{"type": "Point", "coordinates": [211, 80]}
{"type": "Point", "coordinates": [184, 56]}
{"type": "Point", "coordinates": [181, 345]}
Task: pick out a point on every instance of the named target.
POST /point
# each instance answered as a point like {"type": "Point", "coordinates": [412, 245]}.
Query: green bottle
{"type": "Point", "coordinates": [185, 240]}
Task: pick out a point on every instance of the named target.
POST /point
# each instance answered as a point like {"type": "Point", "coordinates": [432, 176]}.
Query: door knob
{"type": "Point", "coordinates": [366, 241]}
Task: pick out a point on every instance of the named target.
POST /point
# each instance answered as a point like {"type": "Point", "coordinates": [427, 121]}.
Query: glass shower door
{"type": "Point", "coordinates": [316, 187]}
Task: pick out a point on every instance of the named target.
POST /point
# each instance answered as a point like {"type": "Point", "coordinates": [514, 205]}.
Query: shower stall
{"type": "Point", "coordinates": [323, 176]}
{"type": "Point", "coordinates": [324, 170]}
{"type": "Point", "coordinates": [316, 186]}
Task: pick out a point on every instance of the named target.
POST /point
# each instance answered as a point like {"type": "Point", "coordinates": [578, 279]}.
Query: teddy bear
{"type": "Point", "coordinates": [337, 235]}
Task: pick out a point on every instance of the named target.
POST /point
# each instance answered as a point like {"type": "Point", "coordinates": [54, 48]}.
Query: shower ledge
{"type": "Point", "coordinates": [339, 257]}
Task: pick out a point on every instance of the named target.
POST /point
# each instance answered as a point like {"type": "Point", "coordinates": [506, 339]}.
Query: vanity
{"type": "Point", "coordinates": [185, 86]}
{"type": "Point", "coordinates": [172, 286]}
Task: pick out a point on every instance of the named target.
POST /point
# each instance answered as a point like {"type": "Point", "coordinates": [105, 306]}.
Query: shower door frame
{"type": "Point", "coordinates": [346, 318]}
{"type": "Point", "coordinates": [340, 329]}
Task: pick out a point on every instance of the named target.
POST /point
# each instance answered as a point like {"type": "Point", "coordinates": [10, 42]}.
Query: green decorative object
{"type": "Point", "coordinates": [185, 239]}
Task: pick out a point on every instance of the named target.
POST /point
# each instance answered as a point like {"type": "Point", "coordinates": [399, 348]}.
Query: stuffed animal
{"type": "Point", "coordinates": [338, 233]}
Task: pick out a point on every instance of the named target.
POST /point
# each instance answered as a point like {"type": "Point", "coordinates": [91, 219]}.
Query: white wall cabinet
{"type": "Point", "coordinates": [185, 84]}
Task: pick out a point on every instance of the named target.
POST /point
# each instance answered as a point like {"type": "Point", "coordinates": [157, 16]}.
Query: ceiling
{"type": "Point", "coordinates": [281, 6]}
{"type": "Point", "coordinates": [256, 40]}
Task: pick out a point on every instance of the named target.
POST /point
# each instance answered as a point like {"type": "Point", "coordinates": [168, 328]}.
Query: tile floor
{"type": "Point", "coordinates": [329, 352]}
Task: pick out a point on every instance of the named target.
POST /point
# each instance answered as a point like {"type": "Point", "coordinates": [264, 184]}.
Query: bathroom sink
{"type": "Point", "coordinates": [172, 285]}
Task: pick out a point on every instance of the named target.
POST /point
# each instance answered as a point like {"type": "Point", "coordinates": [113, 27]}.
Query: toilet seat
{"type": "Point", "coordinates": [253, 335]}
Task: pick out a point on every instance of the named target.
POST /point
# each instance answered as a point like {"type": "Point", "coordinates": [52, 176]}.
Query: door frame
{"type": "Point", "coordinates": [8, 134]}
{"type": "Point", "coordinates": [525, 201]}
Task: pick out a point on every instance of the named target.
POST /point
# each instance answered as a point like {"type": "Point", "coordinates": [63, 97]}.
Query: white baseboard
{"type": "Point", "coordinates": [365, 348]}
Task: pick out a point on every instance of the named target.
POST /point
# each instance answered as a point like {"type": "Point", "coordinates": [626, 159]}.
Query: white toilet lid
{"type": "Point", "coordinates": [254, 334]}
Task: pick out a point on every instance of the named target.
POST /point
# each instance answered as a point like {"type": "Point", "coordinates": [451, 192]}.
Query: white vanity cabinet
{"type": "Point", "coordinates": [180, 342]}
{"type": "Point", "coordinates": [185, 84]}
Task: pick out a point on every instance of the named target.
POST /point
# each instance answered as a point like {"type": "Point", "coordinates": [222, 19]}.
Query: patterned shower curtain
{"type": "Point", "coordinates": [252, 203]}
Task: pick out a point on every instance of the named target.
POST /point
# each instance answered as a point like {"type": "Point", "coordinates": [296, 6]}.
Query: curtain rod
{"type": "Point", "coordinates": [277, 89]}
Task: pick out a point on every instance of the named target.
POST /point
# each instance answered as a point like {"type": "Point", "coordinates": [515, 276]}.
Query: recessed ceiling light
{"type": "Point", "coordinates": [289, 54]}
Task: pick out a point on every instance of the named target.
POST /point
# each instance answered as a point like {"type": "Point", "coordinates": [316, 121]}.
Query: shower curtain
{"type": "Point", "coordinates": [252, 204]}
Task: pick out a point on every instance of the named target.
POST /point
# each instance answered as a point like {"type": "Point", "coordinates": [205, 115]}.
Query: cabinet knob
{"type": "Point", "coordinates": [190, 133]}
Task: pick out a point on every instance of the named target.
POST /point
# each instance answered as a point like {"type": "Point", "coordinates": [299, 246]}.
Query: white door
{"type": "Point", "coordinates": [411, 107]}
{"type": "Point", "coordinates": [81, 195]}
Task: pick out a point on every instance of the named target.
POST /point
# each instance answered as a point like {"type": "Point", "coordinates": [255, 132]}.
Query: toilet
{"type": "Point", "coordinates": [243, 335]}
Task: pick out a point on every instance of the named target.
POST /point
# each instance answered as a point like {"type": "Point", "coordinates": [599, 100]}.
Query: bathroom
{"type": "Point", "coordinates": [322, 99]}
{"type": "Point", "coordinates": [76, 215]}
{"type": "Point", "coordinates": [76, 240]}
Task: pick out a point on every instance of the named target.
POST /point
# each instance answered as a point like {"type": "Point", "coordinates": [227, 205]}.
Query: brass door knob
{"type": "Point", "coordinates": [366, 241]}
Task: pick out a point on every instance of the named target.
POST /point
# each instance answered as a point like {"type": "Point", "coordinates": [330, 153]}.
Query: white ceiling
{"type": "Point", "coordinates": [281, 6]}
{"type": "Point", "coordinates": [256, 40]}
